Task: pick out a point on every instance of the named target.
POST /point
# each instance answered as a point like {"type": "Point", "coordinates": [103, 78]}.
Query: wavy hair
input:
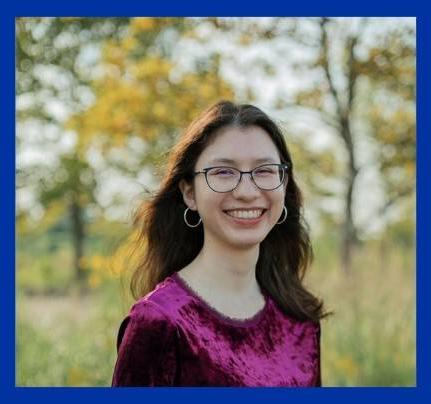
{"type": "Point", "coordinates": [167, 245]}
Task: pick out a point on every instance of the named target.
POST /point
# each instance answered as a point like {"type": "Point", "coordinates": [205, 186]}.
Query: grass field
{"type": "Point", "coordinates": [68, 339]}
{"type": "Point", "coordinates": [370, 339]}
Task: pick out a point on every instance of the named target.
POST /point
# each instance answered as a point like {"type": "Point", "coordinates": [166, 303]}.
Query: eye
{"type": "Point", "coordinates": [265, 171]}
{"type": "Point", "coordinates": [223, 172]}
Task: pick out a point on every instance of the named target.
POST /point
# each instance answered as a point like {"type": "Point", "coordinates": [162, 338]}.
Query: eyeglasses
{"type": "Point", "coordinates": [266, 177]}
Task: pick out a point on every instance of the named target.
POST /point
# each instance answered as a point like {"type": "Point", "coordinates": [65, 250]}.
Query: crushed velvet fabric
{"type": "Point", "coordinates": [172, 337]}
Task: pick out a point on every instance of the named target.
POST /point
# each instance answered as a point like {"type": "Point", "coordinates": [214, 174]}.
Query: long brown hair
{"type": "Point", "coordinates": [167, 245]}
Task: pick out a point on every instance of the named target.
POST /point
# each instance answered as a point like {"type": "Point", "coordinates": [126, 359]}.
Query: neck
{"type": "Point", "coordinates": [231, 270]}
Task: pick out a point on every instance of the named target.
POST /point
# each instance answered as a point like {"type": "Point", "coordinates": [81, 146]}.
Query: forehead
{"type": "Point", "coordinates": [251, 144]}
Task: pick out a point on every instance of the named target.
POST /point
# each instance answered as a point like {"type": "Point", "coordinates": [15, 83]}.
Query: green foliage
{"type": "Point", "coordinates": [130, 91]}
{"type": "Point", "coordinates": [141, 95]}
{"type": "Point", "coordinates": [370, 338]}
{"type": "Point", "coordinates": [72, 343]}
{"type": "Point", "coordinates": [73, 179]}
{"type": "Point", "coordinates": [44, 276]}
{"type": "Point", "coordinates": [43, 263]}
{"type": "Point", "coordinates": [387, 107]}
{"type": "Point", "coordinates": [69, 340]}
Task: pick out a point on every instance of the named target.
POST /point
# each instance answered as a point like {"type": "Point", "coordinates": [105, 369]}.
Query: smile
{"type": "Point", "coordinates": [245, 214]}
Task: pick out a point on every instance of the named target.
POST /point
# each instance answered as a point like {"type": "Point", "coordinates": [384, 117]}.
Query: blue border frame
{"type": "Point", "coordinates": [423, 204]}
{"type": "Point", "coordinates": [195, 8]}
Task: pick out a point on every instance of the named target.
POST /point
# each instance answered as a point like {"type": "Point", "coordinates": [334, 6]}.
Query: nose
{"type": "Point", "coordinates": [246, 187]}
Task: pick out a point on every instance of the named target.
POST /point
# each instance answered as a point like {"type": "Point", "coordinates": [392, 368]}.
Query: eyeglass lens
{"type": "Point", "coordinates": [224, 179]}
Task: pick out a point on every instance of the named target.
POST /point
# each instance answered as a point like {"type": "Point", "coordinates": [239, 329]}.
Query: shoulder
{"type": "Point", "coordinates": [312, 334]}
{"type": "Point", "coordinates": [296, 326]}
{"type": "Point", "coordinates": [165, 300]}
{"type": "Point", "coordinates": [144, 323]}
{"type": "Point", "coordinates": [316, 331]}
{"type": "Point", "coordinates": [147, 311]}
{"type": "Point", "coordinates": [152, 314]}
{"type": "Point", "coordinates": [158, 306]}
{"type": "Point", "coordinates": [311, 328]}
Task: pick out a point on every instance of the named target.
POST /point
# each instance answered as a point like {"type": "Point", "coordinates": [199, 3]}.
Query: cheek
{"type": "Point", "coordinates": [277, 203]}
{"type": "Point", "coordinates": [209, 203]}
{"type": "Point", "coordinates": [277, 198]}
{"type": "Point", "coordinates": [202, 196]}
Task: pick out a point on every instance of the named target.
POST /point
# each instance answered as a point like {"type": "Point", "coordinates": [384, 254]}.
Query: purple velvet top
{"type": "Point", "coordinates": [172, 337]}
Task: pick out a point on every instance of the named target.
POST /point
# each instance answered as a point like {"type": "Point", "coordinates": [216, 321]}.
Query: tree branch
{"type": "Point", "coordinates": [325, 64]}
{"type": "Point", "coordinates": [325, 116]}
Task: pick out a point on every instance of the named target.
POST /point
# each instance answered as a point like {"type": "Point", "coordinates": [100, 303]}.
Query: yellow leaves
{"type": "Point", "coordinates": [113, 112]}
{"type": "Point", "coordinates": [129, 43]}
{"type": "Point", "coordinates": [97, 266]}
{"type": "Point", "coordinates": [160, 111]}
{"type": "Point", "coordinates": [137, 96]}
{"type": "Point", "coordinates": [95, 262]}
{"type": "Point", "coordinates": [206, 91]}
{"type": "Point", "coordinates": [114, 54]}
{"type": "Point", "coordinates": [142, 24]}
{"type": "Point", "coordinates": [404, 117]}
{"type": "Point", "coordinates": [312, 98]}
{"type": "Point", "coordinates": [150, 25]}
{"type": "Point", "coordinates": [391, 66]}
{"type": "Point", "coordinates": [205, 88]}
{"type": "Point", "coordinates": [123, 257]}
{"type": "Point", "coordinates": [245, 39]}
{"type": "Point", "coordinates": [392, 125]}
{"type": "Point", "coordinates": [149, 104]}
{"type": "Point", "coordinates": [327, 163]}
{"type": "Point", "coordinates": [103, 267]}
{"type": "Point", "coordinates": [94, 280]}
{"type": "Point", "coordinates": [151, 67]}
{"type": "Point", "coordinates": [410, 168]}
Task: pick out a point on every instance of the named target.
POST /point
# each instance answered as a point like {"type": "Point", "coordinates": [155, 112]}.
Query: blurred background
{"type": "Point", "coordinates": [100, 102]}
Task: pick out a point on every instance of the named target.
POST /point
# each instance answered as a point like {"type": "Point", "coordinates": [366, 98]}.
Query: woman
{"type": "Point", "coordinates": [221, 299]}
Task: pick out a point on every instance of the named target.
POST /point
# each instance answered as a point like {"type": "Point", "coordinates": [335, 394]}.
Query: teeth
{"type": "Point", "coordinates": [245, 214]}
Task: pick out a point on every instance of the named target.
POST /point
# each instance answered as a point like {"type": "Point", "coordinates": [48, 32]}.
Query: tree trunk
{"type": "Point", "coordinates": [348, 242]}
{"type": "Point", "coordinates": [78, 237]}
{"type": "Point", "coordinates": [349, 234]}
{"type": "Point", "coordinates": [343, 114]}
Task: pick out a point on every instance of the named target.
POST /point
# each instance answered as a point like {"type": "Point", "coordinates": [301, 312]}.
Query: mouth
{"type": "Point", "coordinates": [245, 215]}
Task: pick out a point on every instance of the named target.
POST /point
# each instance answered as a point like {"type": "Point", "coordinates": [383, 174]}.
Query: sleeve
{"type": "Point", "coordinates": [318, 358]}
{"type": "Point", "coordinates": [147, 346]}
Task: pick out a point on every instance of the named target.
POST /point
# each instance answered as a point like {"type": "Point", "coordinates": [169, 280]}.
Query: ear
{"type": "Point", "coordinates": [188, 192]}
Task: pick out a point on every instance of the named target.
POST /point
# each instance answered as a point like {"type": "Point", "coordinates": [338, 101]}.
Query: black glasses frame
{"type": "Point", "coordinates": [283, 166]}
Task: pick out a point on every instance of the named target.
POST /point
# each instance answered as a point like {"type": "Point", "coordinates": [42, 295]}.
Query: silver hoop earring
{"type": "Point", "coordinates": [187, 223]}
{"type": "Point", "coordinates": [285, 215]}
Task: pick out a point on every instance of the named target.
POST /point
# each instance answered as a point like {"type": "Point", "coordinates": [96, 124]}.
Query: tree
{"type": "Point", "coordinates": [359, 92]}
{"type": "Point", "coordinates": [133, 93]}
{"type": "Point", "coordinates": [141, 94]}
{"type": "Point", "coordinates": [390, 112]}
{"type": "Point", "coordinates": [73, 184]}
{"type": "Point", "coordinates": [53, 76]}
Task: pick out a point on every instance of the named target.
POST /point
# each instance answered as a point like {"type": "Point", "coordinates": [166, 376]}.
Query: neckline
{"type": "Point", "coordinates": [240, 322]}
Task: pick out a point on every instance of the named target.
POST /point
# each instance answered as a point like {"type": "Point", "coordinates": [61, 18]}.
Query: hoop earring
{"type": "Point", "coordinates": [187, 223]}
{"type": "Point", "coordinates": [285, 215]}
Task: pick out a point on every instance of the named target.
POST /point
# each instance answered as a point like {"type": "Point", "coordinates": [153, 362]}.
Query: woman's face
{"type": "Point", "coordinates": [220, 212]}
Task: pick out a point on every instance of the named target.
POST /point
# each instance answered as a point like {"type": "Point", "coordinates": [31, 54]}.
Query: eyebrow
{"type": "Point", "coordinates": [230, 161]}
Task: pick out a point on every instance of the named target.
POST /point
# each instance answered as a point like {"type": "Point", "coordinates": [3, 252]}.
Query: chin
{"type": "Point", "coordinates": [245, 242]}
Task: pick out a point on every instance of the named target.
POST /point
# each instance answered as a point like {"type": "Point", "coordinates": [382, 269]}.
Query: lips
{"type": "Point", "coordinates": [250, 216]}
{"type": "Point", "coordinates": [245, 214]}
